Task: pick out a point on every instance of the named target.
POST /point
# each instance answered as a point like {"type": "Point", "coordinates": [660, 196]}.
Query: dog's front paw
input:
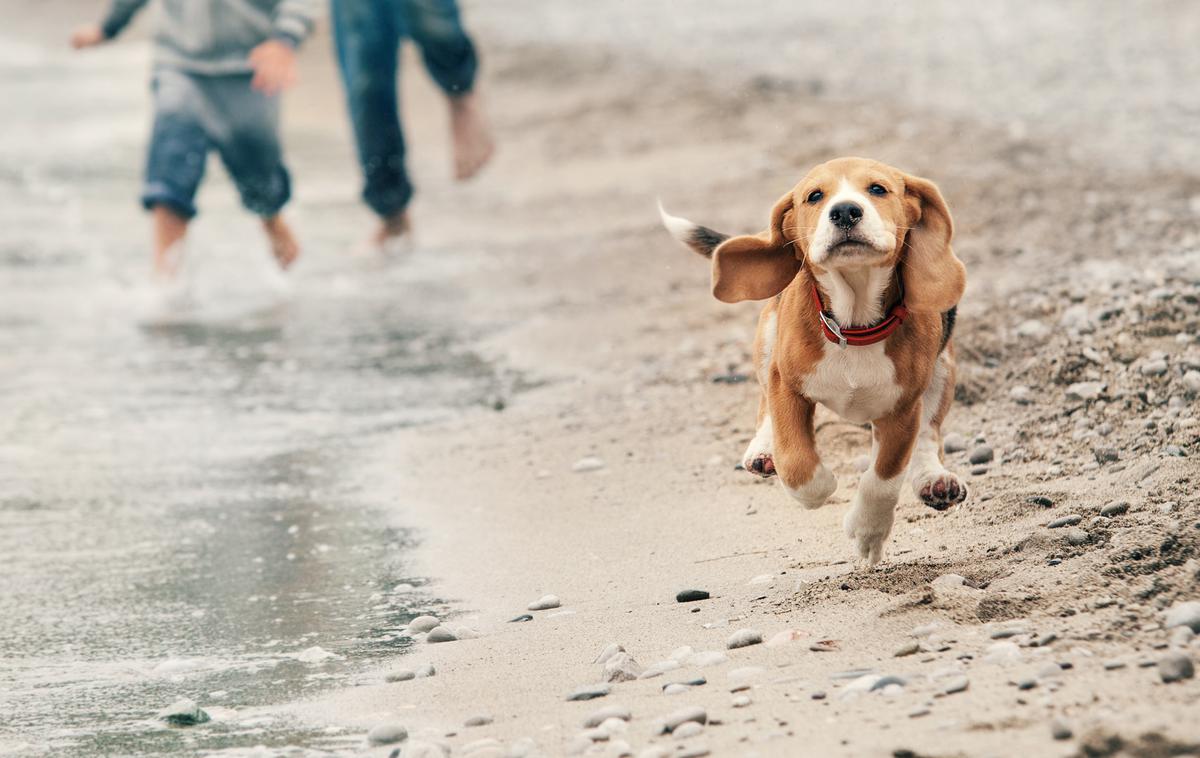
{"type": "Point", "coordinates": [868, 529]}
{"type": "Point", "coordinates": [762, 464]}
{"type": "Point", "coordinates": [940, 489]}
{"type": "Point", "coordinates": [816, 491]}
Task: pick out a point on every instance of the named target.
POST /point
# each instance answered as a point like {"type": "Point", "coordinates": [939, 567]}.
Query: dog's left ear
{"type": "Point", "coordinates": [934, 279]}
{"type": "Point", "coordinates": [758, 266]}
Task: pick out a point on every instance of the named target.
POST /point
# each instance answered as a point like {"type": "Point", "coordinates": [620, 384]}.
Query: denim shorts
{"type": "Point", "coordinates": [194, 113]}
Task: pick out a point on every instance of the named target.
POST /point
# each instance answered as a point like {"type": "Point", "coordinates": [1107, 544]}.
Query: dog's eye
{"type": "Point", "coordinates": [877, 189]}
{"type": "Point", "coordinates": [815, 196]}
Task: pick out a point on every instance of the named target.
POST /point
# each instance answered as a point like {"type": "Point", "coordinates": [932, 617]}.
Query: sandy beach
{"type": "Point", "coordinates": [599, 464]}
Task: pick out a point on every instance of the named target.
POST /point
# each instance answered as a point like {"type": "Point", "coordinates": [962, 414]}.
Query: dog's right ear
{"type": "Point", "coordinates": [758, 266]}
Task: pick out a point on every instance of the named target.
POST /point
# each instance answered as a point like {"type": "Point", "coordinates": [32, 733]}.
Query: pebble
{"type": "Point", "coordinates": [693, 752]}
{"type": "Point", "coordinates": [598, 717]}
{"type": "Point", "coordinates": [1021, 395]}
{"type": "Point", "coordinates": [1041, 500]}
{"type": "Point", "coordinates": [387, 733]}
{"type": "Point", "coordinates": [818, 695]}
{"type": "Point", "coordinates": [981, 454]}
{"type": "Point", "coordinates": [1059, 730]}
{"type": "Point", "coordinates": [1181, 637]}
{"type": "Point", "coordinates": [682, 716]}
{"type": "Point", "coordinates": [1069, 520]}
{"type": "Point", "coordinates": [1085, 390]}
{"type": "Point", "coordinates": [1191, 380]}
{"type": "Point", "coordinates": [545, 603]}
{"type": "Point", "coordinates": [621, 667]}
{"type": "Point", "coordinates": [919, 712]}
{"type": "Point", "coordinates": [425, 670]}
{"type": "Point", "coordinates": [744, 638]}
{"type": "Point", "coordinates": [954, 443]}
{"type": "Point", "coordinates": [1044, 640]}
{"type": "Point", "coordinates": [688, 730]}
{"type": "Point", "coordinates": [979, 470]}
{"type": "Point", "coordinates": [1032, 329]}
{"type": "Point", "coordinates": [478, 720]}
{"type": "Point", "coordinates": [956, 684]}
{"type": "Point", "coordinates": [1114, 665]}
{"type": "Point", "coordinates": [588, 463]}
{"type": "Point", "coordinates": [1115, 508]}
{"type": "Point", "coordinates": [609, 651]}
{"type": "Point", "coordinates": [1027, 683]}
{"type": "Point", "coordinates": [590, 692]}
{"type": "Point", "coordinates": [1175, 667]}
{"type": "Point", "coordinates": [675, 688]}
{"type": "Point", "coordinates": [520, 619]}
{"type": "Point", "coordinates": [440, 634]}
{"type": "Point", "coordinates": [1004, 633]}
{"type": "Point", "coordinates": [1106, 454]}
{"type": "Point", "coordinates": [422, 624]}
{"type": "Point", "coordinates": [741, 701]}
{"type": "Point", "coordinates": [909, 648]}
{"type": "Point", "coordinates": [691, 596]}
{"type": "Point", "coordinates": [1154, 368]}
{"type": "Point", "coordinates": [183, 712]}
{"type": "Point", "coordinates": [400, 675]}
{"type": "Point", "coordinates": [1183, 614]}
{"type": "Point", "coordinates": [1077, 537]}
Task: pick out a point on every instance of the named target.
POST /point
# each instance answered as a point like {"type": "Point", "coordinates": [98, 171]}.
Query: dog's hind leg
{"type": "Point", "coordinates": [759, 457]}
{"type": "Point", "coordinates": [932, 483]}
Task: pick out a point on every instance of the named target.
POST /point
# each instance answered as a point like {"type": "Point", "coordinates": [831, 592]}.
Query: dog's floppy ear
{"type": "Point", "coordinates": [758, 266]}
{"type": "Point", "coordinates": [934, 278]}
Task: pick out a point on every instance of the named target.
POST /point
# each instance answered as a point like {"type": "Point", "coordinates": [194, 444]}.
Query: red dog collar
{"type": "Point", "coordinates": [867, 335]}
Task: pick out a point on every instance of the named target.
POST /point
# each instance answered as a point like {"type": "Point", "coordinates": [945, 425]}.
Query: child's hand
{"type": "Point", "coordinates": [87, 36]}
{"type": "Point", "coordinates": [274, 64]}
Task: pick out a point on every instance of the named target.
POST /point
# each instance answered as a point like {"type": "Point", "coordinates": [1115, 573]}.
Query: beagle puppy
{"type": "Point", "coordinates": [861, 288]}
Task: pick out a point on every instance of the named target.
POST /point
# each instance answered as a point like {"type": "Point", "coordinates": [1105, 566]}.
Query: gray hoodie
{"type": "Point", "coordinates": [216, 36]}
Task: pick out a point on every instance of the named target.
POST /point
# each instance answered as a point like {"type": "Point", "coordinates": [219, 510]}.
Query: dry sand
{"type": "Point", "coordinates": [1078, 272]}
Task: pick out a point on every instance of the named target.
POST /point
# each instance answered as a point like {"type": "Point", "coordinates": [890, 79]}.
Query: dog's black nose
{"type": "Point", "coordinates": [845, 215]}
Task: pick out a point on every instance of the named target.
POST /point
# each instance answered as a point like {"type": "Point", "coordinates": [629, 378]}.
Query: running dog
{"type": "Point", "coordinates": [862, 287]}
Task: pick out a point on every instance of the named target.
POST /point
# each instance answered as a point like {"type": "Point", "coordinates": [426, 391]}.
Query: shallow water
{"type": "Point", "coordinates": [184, 504]}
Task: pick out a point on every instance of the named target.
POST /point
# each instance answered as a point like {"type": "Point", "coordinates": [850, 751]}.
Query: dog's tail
{"type": "Point", "coordinates": [698, 238]}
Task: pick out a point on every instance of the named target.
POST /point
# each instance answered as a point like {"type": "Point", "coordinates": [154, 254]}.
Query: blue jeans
{"type": "Point", "coordinates": [368, 35]}
{"type": "Point", "coordinates": [195, 113]}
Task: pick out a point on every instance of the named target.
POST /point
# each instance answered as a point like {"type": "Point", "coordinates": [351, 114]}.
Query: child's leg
{"type": "Point", "coordinates": [246, 133]}
{"type": "Point", "coordinates": [368, 40]}
{"type": "Point", "coordinates": [449, 55]}
{"type": "Point", "coordinates": [175, 164]}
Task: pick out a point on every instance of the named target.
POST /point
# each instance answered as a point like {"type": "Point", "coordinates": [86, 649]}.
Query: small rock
{"type": "Point", "coordinates": [1069, 520]}
{"type": "Point", "coordinates": [621, 667]}
{"type": "Point", "coordinates": [479, 720]}
{"type": "Point", "coordinates": [675, 688]}
{"type": "Point", "coordinates": [1191, 380]}
{"type": "Point", "coordinates": [1021, 395]}
{"type": "Point", "coordinates": [1032, 329]}
{"type": "Point", "coordinates": [741, 701]}
{"type": "Point", "coordinates": [1041, 500]}
{"type": "Point", "coordinates": [691, 596]}
{"type": "Point", "coordinates": [608, 652]}
{"type": "Point", "coordinates": [1175, 667]}
{"type": "Point", "coordinates": [1183, 614]}
{"type": "Point", "coordinates": [981, 454]}
{"type": "Point", "coordinates": [1115, 508]}
{"type": "Point", "coordinates": [440, 634]}
{"type": "Point", "coordinates": [598, 717]}
{"type": "Point", "coordinates": [1085, 391]}
{"type": "Point", "coordinates": [589, 692]}
{"type": "Point", "coordinates": [683, 716]}
{"type": "Point", "coordinates": [1005, 632]}
{"type": "Point", "coordinates": [818, 695]}
{"type": "Point", "coordinates": [1181, 637]}
{"type": "Point", "coordinates": [589, 463]}
{"type": "Point", "coordinates": [1114, 665]}
{"type": "Point", "coordinates": [955, 684]}
{"type": "Point", "coordinates": [400, 675]}
{"type": "Point", "coordinates": [545, 603]}
{"type": "Point", "coordinates": [979, 470]}
{"type": "Point", "coordinates": [687, 730]}
{"type": "Point", "coordinates": [1027, 684]}
{"type": "Point", "coordinates": [387, 733]}
{"type": "Point", "coordinates": [1106, 454]}
{"type": "Point", "coordinates": [744, 638]}
{"type": "Point", "coordinates": [1044, 640]}
{"type": "Point", "coordinates": [425, 670]}
{"type": "Point", "coordinates": [1059, 730]}
{"type": "Point", "coordinates": [954, 443]}
{"type": "Point", "coordinates": [909, 648]}
{"type": "Point", "coordinates": [919, 712]}
{"type": "Point", "coordinates": [1154, 368]}
{"type": "Point", "coordinates": [521, 619]}
{"type": "Point", "coordinates": [422, 624]}
{"type": "Point", "coordinates": [183, 712]}
{"type": "Point", "coordinates": [1077, 536]}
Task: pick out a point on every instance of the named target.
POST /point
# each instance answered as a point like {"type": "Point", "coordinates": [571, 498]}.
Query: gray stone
{"type": "Point", "coordinates": [1027, 684]}
{"type": "Point", "coordinates": [691, 596]}
{"type": "Point", "coordinates": [590, 692]}
{"type": "Point", "coordinates": [1183, 614]}
{"type": "Point", "coordinates": [687, 730]}
{"type": "Point", "coordinates": [545, 603]}
{"type": "Point", "coordinates": [621, 667]}
{"type": "Point", "coordinates": [1005, 632]}
{"type": "Point", "coordinates": [478, 720]}
{"type": "Point", "coordinates": [183, 712]}
{"type": "Point", "coordinates": [1069, 520]}
{"type": "Point", "coordinates": [683, 716]}
{"type": "Point", "coordinates": [981, 454]}
{"type": "Point", "coordinates": [741, 701]}
{"type": "Point", "coordinates": [1077, 536]}
{"type": "Point", "coordinates": [1175, 667]}
{"type": "Point", "coordinates": [400, 675]}
{"type": "Point", "coordinates": [918, 712]}
{"type": "Point", "coordinates": [1021, 395]}
{"type": "Point", "coordinates": [1115, 508]}
{"type": "Point", "coordinates": [1154, 368]}
{"type": "Point", "coordinates": [1085, 391]}
{"type": "Point", "coordinates": [954, 443]}
{"type": "Point", "coordinates": [608, 652]}
{"type": "Point", "coordinates": [387, 733]}
{"type": "Point", "coordinates": [599, 716]}
{"type": "Point", "coordinates": [1106, 455]}
{"type": "Point", "coordinates": [887, 681]}
{"type": "Point", "coordinates": [675, 688]}
{"type": "Point", "coordinates": [1059, 730]}
{"type": "Point", "coordinates": [589, 463]}
{"type": "Point", "coordinates": [909, 648]}
{"type": "Point", "coordinates": [440, 634]}
{"type": "Point", "coordinates": [955, 684]}
{"type": "Point", "coordinates": [422, 624]}
{"type": "Point", "coordinates": [744, 638]}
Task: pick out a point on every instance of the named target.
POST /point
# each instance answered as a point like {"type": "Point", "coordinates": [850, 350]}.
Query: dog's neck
{"type": "Point", "coordinates": [858, 296]}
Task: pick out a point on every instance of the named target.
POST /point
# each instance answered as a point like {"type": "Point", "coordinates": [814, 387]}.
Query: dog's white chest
{"type": "Point", "coordinates": [857, 383]}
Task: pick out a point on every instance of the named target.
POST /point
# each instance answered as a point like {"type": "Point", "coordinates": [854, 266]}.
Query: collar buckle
{"type": "Point", "coordinates": [834, 328]}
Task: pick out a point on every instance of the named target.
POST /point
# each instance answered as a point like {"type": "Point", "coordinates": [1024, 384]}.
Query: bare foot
{"type": "Point", "coordinates": [169, 231]}
{"type": "Point", "coordinates": [394, 233]}
{"type": "Point", "coordinates": [283, 243]}
{"type": "Point", "coordinates": [473, 144]}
